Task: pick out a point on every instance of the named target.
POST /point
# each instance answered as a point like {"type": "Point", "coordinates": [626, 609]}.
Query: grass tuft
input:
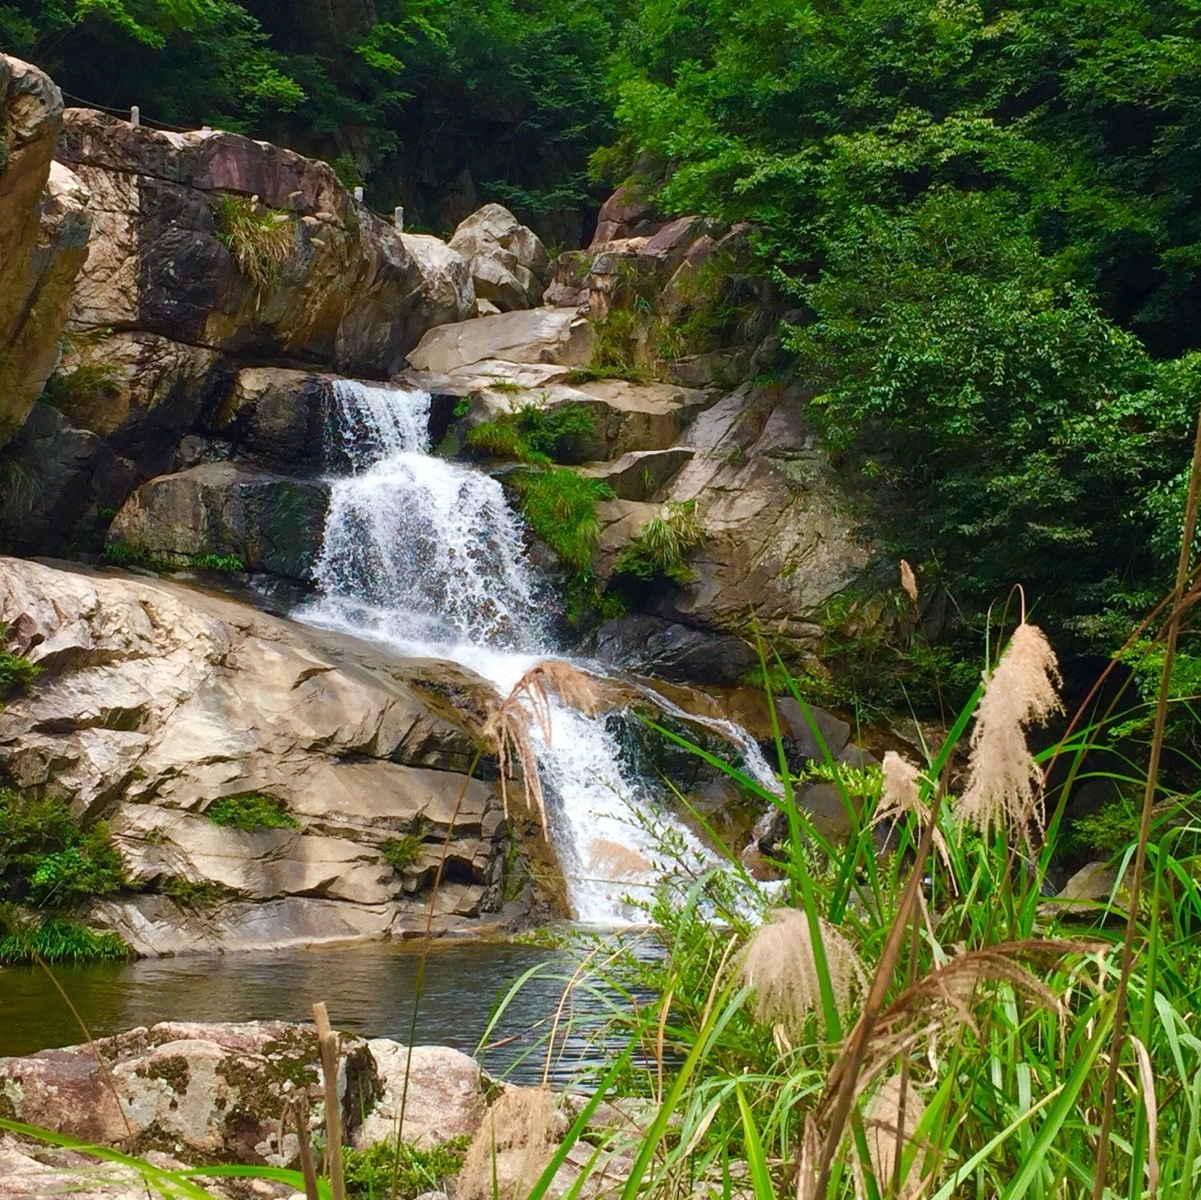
{"type": "Point", "coordinates": [251, 811]}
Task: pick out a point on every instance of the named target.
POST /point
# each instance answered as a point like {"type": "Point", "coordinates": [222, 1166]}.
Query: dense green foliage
{"type": "Point", "coordinates": [533, 434]}
{"type": "Point", "coordinates": [984, 215]}
{"type": "Point", "coordinates": [59, 940]}
{"type": "Point", "coordinates": [250, 811]}
{"type": "Point", "coordinates": [659, 550]}
{"type": "Point", "coordinates": [439, 104]}
{"type": "Point", "coordinates": [560, 508]}
{"type": "Point", "coordinates": [47, 860]}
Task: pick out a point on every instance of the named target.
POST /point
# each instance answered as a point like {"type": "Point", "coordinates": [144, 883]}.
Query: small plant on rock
{"type": "Point", "coordinates": [560, 508]}
{"type": "Point", "coordinates": [402, 852]}
{"type": "Point", "coordinates": [533, 434]}
{"type": "Point", "coordinates": [262, 240]}
{"type": "Point", "coordinates": [660, 549]}
{"type": "Point", "coordinates": [251, 811]}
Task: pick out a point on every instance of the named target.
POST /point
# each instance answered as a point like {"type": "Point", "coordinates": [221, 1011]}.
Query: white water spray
{"type": "Point", "coordinates": [425, 556]}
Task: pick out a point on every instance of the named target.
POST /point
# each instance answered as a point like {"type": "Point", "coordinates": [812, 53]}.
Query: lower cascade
{"type": "Point", "coordinates": [425, 556]}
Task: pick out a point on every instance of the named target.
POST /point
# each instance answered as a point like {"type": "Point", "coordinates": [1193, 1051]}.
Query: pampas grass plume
{"type": "Point", "coordinates": [1002, 772]}
{"type": "Point", "coordinates": [883, 1120]}
{"type": "Point", "coordinates": [781, 966]}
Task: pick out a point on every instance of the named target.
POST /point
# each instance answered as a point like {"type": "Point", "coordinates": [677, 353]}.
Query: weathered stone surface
{"type": "Point", "coordinates": [782, 535]}
{"type": "Point", "coordinates": [43, 237]}
{"type": "Point", "coordinates": [349, 296]}
{"type": "Point", "coordinates": [446, 1096]}
{"type": "Point", "coordinates": [543, 335]}
{"type": "Point", "coordinates": [626, 213]}
{"type": "Point", "coordinates": [269, 522]}
{"type": "Point", "coordinates": [447, 289]}
{"type": "Point", "coordinates": [507, 260]}
{"type": "Point", "coordinates": [156, 700]}
{"type": "Point", "coordinates": [276, 418]}
{"type": "Point", "coordinates": [640, 474]}
{"type": "Point", "coordinates": [209, 1092]}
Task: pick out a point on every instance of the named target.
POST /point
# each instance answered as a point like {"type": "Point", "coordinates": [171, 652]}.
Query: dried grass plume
{"type": "Point", "coordinates": [901, 796]}
{"type": "Point", "coordinates": [512, 723]}
{"type": "Point", "coordinates": [512, 1147]}
{"type": "Point", "coordinates": [781, 966]}
{"type": "Point", "coordinates": [1002, 772]}
{"type": "Point", "coordinates": [884, 1123]}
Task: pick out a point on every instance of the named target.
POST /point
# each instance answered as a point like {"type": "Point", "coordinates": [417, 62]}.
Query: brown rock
{"type": "Point", "coordinates": [43, 238]}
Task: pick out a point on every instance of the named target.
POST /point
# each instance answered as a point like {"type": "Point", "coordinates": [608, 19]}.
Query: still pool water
{"type": "Point", "coordinates": [369, 991]}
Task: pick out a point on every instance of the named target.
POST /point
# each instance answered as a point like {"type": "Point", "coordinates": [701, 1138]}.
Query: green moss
{"type": "Point", "coordinates": [659, 550]}
{"type": "Point", "coordinates": [534, 435]}
{"type": "Point", "coordinates": [402, 1171]}
{"type": "Point", "coordinates": [249, 811]}
{"type": "Point", "coordinates": [560, 508]}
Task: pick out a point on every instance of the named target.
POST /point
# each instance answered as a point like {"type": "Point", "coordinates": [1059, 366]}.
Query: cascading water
{"type": "Point", "coordinates": [425, 556]}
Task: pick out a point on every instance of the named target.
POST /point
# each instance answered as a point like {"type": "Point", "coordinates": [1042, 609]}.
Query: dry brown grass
{"type": "Point", "coordinates": [527, 708]}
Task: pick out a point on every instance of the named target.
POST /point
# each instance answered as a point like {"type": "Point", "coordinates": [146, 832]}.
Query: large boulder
{"type": "Point", "coordinates": [157, 700]}
{"type": "Point", "coordinates": [224, 510]}
{"type": "Point", "coordinates": [507, 259]}
{"type": "Point", "coordinates": [44, 226]}
{"type": "Point", "coordinates": [214, 239]}
{"type": "Point", "coordinates": [209, 1093]}
{"type": "Point", "coordinates": [543, 335]}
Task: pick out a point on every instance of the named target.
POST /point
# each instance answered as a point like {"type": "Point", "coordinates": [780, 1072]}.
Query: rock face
{"type": "Point", "coordinates": [157, 700]}
{"type": "Point", "coordinates": [210, 255]}
{"type": "Point", "coordinates": [183, 249]}
{"type": "Point", "coordinates": [43, 237]}
{"type": "Point", "coordinates": [263, 521]}
{"type": "Point", "coordinates": [507, 260]}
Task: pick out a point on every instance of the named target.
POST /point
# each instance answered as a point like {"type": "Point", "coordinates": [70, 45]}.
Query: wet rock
{"type": "Point", "coordinates": [673, 651]}
{"type": "Point", "coordinates": [263, 521]}
{"type": "Point", "coordinates": [276, 418]}
{"type": "Point", "coordinates": [43, 237]}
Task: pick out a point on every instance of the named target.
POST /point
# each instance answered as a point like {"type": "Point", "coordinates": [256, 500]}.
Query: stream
{"type": "Point", "coordinates": [369, 990]}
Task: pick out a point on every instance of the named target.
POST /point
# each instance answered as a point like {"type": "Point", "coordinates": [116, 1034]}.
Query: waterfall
{"type": "Point", "coordinates": [425, 557]}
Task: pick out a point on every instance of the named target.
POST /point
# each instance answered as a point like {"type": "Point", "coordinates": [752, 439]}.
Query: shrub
{"type": "Point", "coordinates": [16, 671]}
{"type": "Point", "coordinates": [402, 852]}
{"type": "Point", "coordinates": [192, 893]}
{"type": "Point", "coordinates": [218, 562]}
{"type": "Point", "coordinates": [262, 240]}
{"type": "Point", "coordinates": [560, 508]}
{"type": "Point", "coordinates": [47, 860]}
{"type": "Point", "coordinates": [534, 435]}
{"type": "Point", "coordinates": [57, 941]}
{"type": "Point", "coordinates": [658, 551]}
{"type": "Point", "coordinates": [250, 811]}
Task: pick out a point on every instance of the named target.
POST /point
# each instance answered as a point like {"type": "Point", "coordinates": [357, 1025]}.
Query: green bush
{"type": "Point", "coordinates": [58, 941]}
{"type": "Point", "coordinates": [47, 860]}
{"type": "Point", "coordinates": [402, 852]}
{"type": "Point", "coordinates": [560, 508]}
{"type": "Point", "coordinates": [190, 893]}
{"type": "Point", "coordinates": [16, 671]}
{"type": "Point", "coordinates": [249, 811]}
{"type": "Point", "coordinates": [534, 435]}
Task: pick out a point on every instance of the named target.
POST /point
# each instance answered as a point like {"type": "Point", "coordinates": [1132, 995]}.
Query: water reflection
{"type": "Point", "coordinates": [369, 990]}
